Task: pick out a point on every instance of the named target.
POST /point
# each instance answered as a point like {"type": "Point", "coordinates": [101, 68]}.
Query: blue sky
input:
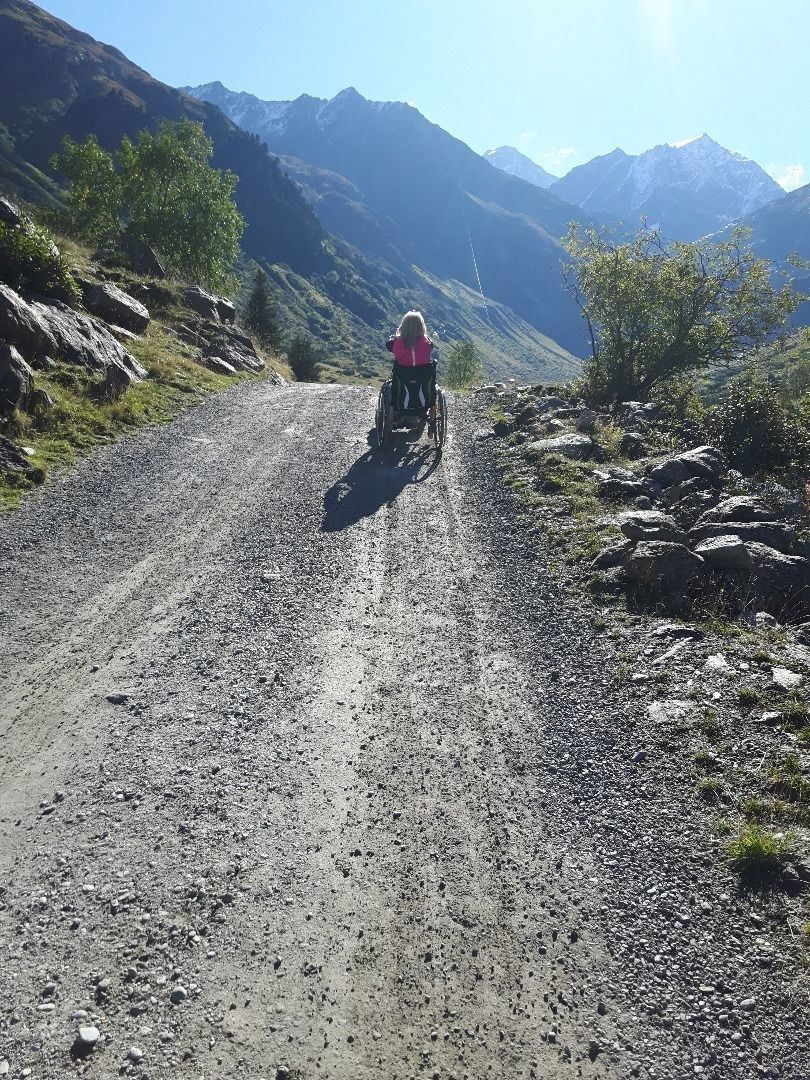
{"type": "Point", "coordinates": [563, 80]}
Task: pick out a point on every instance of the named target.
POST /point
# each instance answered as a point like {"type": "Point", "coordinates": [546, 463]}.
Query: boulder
{"type": "Point", "coordinates": [547, 404]}
{"type": "Point", "coordinates": [770, 533]}
{"type": "Point", "coordinates": [218, 365]}
{"type": "Point", "coordinates": [613, 489]}
{"type": "Point", "coordinates": [115, 306]}
{"type": "Point", "coordinates": [613, 555]}
{"type": "Point", "coordinates": [144, 259]}
{"type": "Point", "coordinates": [782, 582]}
{"type": "Point", "coordinates": [202, 302]}
{"type": "Point", "coordinates": [663, 566]}
{"type": "Point", "coordinates": [10, 214]}
{"type": "Point", "coordinates": [571, 446]}
{"type": "Point", "coordinates": [41, 401]}
{"type": "Point", "coordinates": [12, 458]}
{"type": "Point", "coordinates": [725, 553]}
{"type": "Point", "coordinates": [232, 345]}
{"type": "Point", "coordinates": [80, 339]}
{"type": "Point", "coordinates": [586, 421]}
{"type": "Point", "coordinates": [631, 444]}
{"type": "Point", "coordinates": [738, 508]}
{"type": "Point", "coordinates": [651, 525]}
{"type": "Point", "coordinates": [117, 380]}
{"type": "Point", "coordinates": [22, 326]}
{"type": "Point", "coordinates": [16, 380]}
{"type": "Point", "coordinates": [226, 310]}
{"type": "Point", "coordinates": [704, 461]}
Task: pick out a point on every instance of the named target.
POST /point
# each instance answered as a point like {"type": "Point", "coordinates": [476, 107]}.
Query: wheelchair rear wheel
{"type": "Point", "coordinates": [384, 415]}
{"type": "Point", "coordinates": [440, 427]}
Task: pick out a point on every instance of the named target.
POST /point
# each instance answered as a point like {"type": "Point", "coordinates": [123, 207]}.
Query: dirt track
{"type": "Point", "coordinates": [369, 797]}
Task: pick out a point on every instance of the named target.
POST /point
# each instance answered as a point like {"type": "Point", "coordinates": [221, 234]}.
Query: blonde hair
{"type": "Point", "coordinates": [412, 327]}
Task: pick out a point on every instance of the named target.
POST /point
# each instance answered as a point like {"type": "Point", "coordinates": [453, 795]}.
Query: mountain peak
{"type": "Point", "coordinates": [509, 159]}
{"type": "Point", "coordinates": [348, 94]}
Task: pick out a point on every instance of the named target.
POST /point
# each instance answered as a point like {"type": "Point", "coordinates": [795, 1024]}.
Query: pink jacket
{"type": "Point", "coordinates": [417, 356]}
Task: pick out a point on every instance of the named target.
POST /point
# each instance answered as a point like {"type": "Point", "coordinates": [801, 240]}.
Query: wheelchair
{"type": "Point", "coordinates": [403, 406]}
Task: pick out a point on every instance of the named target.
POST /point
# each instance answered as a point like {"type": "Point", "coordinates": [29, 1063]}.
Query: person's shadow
{"type": "Point", "coordinates": [376, 479]}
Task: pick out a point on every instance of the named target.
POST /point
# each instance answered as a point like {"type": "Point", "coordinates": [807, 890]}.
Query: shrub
{"type": "Point", "coordinates": [754, 428]}
{"type": "Point", "coordinates": [29, 259]}
{"type": "Point", "coordinates": [463, 366]}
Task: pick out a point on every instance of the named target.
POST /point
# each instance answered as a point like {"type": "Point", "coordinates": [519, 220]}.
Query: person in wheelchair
{"type": "Point", "coordinates": [413, 388]}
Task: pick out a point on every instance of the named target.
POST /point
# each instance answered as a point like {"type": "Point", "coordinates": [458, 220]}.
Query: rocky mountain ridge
{"type": "Point", "coordinates": [688, 190]}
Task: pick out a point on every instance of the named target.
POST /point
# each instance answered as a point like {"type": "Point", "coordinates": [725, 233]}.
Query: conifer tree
{"type": "Point", "coordinates": [261, 315]}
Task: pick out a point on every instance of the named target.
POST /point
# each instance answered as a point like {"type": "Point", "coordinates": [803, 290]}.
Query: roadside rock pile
{"type": "Point", "coordinates": [692, 529]}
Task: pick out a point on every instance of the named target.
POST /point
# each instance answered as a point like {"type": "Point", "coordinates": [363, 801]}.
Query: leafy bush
{"type": "Point", "coordinates": [655, 310]}
{"type": "Point", "coordinates": [161, 191]}
{"type": "Point", "coordinates": [755, 429]}
{"type": "Point", "coordinates": [463, 366]}
{"type": "Point", "coordinates": [29, 259]}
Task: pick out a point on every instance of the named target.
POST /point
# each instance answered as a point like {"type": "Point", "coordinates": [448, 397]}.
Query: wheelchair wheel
{"type": "Point", "coordinates": [440, 427]}
{"type": "Point", "coordinates": [384, 416]}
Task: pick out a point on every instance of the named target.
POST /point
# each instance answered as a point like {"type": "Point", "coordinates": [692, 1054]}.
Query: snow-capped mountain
{"type": "Point", "coordinates": [512, 161]}
{"type": "Point", "coordinates": [688, 189]}
{"type": "Point", "coordinates": [392, 184]}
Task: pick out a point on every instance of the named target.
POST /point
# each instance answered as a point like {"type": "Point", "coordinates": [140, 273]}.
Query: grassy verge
{"type": "Point", "coordinates": [78, 420]}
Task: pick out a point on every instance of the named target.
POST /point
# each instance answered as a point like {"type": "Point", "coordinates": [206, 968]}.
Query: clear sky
{"type": "Point", "coordinates": [563, 80]}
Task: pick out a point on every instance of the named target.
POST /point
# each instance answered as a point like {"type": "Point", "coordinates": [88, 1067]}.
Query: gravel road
{"type": "Point", "coordinates": [309, 767]}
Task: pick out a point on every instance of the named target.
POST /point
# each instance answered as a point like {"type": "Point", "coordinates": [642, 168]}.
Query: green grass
{"type": "Point", "coordinates": [756, 853]}
{"type": "Point", "coordinates": [78, 421]}
{"type": "Point", "coordinates": [710, 789]}
{"type": "Point", "coordinates": [748, 697]}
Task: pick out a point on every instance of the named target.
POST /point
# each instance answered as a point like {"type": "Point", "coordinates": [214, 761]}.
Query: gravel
{"type": "Point", "coordinates": [370, 798]}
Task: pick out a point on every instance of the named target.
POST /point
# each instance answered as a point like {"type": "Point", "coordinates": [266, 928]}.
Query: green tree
{"type": "Point", "coordinates": [303, 358]}
{"type": "Point", "coordinates": [162, 191]}
{"type": "Point", "coordinates": [463, 367]}
{"type": "Point", "coordinates": [95, 194]}
{"type": "Point", "coordinates": [261, 315]}
{"type": "Point", "coordinates": [656, 310]}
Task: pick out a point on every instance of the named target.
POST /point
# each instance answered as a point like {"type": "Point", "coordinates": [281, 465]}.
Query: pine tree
{"type": "Point", "coordinates": [303, 358]}
{"type": "Point", "coordinates": [261, 315]}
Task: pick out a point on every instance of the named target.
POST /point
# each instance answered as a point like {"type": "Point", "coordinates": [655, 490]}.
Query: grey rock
{"type": "Point", "coordinates": [89, 1035]}
{"type": "Point", "coordinates": [631, 444]}
{"type": "Point", "coordinates": [22, 326]}
{"type": "Point", "coordinates": [742, 508]}
{"type": "Point", "coordinates": [705, 461]}
{"type": "Point", "coordinates": [41, 401]}
{"type": "Point", "coordinates": [782, 582]}
{"type": "Point", "coordinates": [16, 380]}
{"type": "Point", "coordinates": [115, 306]}
{"type": "Point", "coordinates": [786, 679]}
{"type": "Point", "coordinates": [586, 421]}
{"type": "Point", "coordinates": [10, 214]}
{"type": "Point", "coordinates": [12, 457]}
{"type": "Point", "coordinates": [143, 257]}
{"type": "Point", "coordinates": [773, 534]}
{"type": "Point", "coordinates": [651, 525]}
{"type": "Point", "coordinates": [572, 446]}
{"type": "Point", "coordinates": [226, 310]}
{"type": "Point", "coordinates": [117, 381]}
{"type": "Point", "coordinates": [81, 339]}
{"type": "Point", "coordinates": [671, 471]}
{"type": "Point", "coordinates": [612, 556]}
{"type": "Point", "coordinates": [547, 404]}
{"type": "Point", "coordinates": [178, 995]}
{"type": "Point", "coordinates": [218, 365]}
{"type": "Point", "coordinates": [613, 489]}
{"type": "Point", "coordinates": [202, 302]}
{"type": "Point", "coordinates": [668, 567]}
{"type": "Point", "coordinates": [725, 552]}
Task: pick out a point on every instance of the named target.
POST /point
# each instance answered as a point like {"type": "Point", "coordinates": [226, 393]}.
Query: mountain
{"type": "Point", "coordinates": [687, 190]}
{"type": "Point", "coordinates": [57, 81]}
{"type": "Point", "coordinates": [782, 229]}
{"type": "Point", "coordinates": [389, 181]}
{"type": "Point", "coordinates": [512, 161]}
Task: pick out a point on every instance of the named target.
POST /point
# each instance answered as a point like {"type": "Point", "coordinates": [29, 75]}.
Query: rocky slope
{"type": "Point", "coordinates": [688, 190]}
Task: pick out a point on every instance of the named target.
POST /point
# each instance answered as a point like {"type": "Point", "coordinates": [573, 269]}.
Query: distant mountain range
{"type": "Point", "coordinates": [688, 190]}
{"type": "Point", "coordinates": [57, 81]}
{"type": "Point", "coordinates": [512, 161]}
{"type": "Point", "coordinates": [389, 181]}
